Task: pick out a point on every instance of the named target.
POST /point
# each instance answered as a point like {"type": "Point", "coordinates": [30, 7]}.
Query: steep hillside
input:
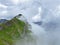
{"type": "Point", "coordinates": [12, 30]}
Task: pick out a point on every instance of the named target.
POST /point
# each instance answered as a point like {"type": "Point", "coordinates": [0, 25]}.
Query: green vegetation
{"type": "Point", "coordinates": [12, 30]}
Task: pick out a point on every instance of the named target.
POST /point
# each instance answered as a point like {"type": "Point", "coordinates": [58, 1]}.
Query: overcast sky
{"type": "Point", "coordinates": [29, 8]}
{"type": "Point", "coordinates": [10, 8]}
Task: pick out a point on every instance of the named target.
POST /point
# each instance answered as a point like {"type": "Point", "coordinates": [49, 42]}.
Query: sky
{"type": "Point", "coordinates": [32, 10]}
{"type": "Point", "coordinates": [10, 8]}
{"type": "Point", "coordinates": [29, 8]}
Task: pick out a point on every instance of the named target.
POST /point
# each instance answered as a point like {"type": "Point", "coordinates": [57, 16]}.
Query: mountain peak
{"type": "Point", "coordinates": [18, 16]}
{"type": "Point", "coordinates": [13, 29]}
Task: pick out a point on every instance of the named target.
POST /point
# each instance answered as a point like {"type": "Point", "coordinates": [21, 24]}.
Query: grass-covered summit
{"type": "Point", "coordinates": [10, 30]}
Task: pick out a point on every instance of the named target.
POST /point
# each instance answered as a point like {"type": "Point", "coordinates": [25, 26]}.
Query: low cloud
{"type": "Point", "coordinates": [3, 6]}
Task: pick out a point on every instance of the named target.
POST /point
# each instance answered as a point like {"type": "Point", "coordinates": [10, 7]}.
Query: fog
{"type": "Point", "coordinates": [46, 34]}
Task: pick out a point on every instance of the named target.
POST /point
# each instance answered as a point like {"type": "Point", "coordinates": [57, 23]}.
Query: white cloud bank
{"type": "Point", "coordinates": [3, 10]}
{"type": "Point", "coordinates": [37, 18]}
{"type": "Point", "coordinates": [3, 6]}
{"type": "Point", "coordinates": [16, 2]}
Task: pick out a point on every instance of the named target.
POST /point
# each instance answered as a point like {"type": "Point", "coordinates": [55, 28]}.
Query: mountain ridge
{"type": "Point", "coordinates": [12, 30]}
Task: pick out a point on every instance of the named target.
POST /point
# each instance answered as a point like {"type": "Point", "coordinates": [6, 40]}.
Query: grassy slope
{"type": "Point", "coordinates": [11, 30]}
